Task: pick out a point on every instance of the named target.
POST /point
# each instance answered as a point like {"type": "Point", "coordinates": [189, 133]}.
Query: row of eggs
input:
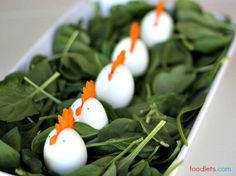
{"type": "Point", "coordinates": [114, 84]}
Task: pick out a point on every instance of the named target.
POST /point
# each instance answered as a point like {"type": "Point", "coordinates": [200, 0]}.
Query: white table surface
{"type": "Point", "coordinates": [22, 22]}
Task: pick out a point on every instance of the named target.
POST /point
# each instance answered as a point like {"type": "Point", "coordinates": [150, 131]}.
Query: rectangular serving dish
{"type": "Point", "coordinates": [85, 10]}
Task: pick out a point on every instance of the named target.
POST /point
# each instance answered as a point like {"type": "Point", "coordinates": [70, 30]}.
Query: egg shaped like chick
{"type": "Point", "coordinates": [115, 83]}
{"type": "Point", "coordinates": [64, 149]}
{"type": "Point", "coordinates": [156, 26]}
{"type": "Point", "coordinates": [88, 109]}
{"type": "Point", "coordinates": [136, 52]}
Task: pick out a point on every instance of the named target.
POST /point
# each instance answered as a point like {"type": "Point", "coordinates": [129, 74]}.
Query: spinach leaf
{"type": "Point", "coordinates": [70, 38]}
{"type": "Point", "coordinates": [85, 131]}
{"type": "Point", "coordinates": [118, 128]}
{"type": "Point", "coordinates": [31, 161]}
{"type": "Point", "coordinates": [169, 103]}
{"type": "Point", "coordinates": [111, 171]}
{"type": "Point", "coordinates": [9, 158]}
{"type": "Point", "coordinates": [203, 39]}
{"type": "Point", "coordinates": [177, 80]}
{"type": "Point", "coordinates": [13, 139]}
{"type": "Point", "coordinates": [194, 105]}
{"type": "Point", "coordinates": [16, 101]}
{"type": "Point", "coordinates": [39, 140]}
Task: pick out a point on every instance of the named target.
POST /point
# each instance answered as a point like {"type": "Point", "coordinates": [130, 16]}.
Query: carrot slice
{"type": "Point", "coordinates": [88, 92]}
{"type": "Point", "coordinates": [64, 121]}
{"type": "Point", "coordinates": [119, 60]}
{"type": "Point", "coordinates": [134, 35]}
{"type": "Point", "coordinates": [159, 11]}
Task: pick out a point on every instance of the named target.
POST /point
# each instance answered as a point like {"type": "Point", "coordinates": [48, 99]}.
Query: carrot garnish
{"type": "Point", "coordinates": [159, 11]}
{"type": "Point", "coordinates": [88, 92]}
{"type": "Point", "coordinates": [119, 60]}
{"type": "Point", "coordinates": [134, 35]}
{"type": "Point", "coordinates": [64, 121]}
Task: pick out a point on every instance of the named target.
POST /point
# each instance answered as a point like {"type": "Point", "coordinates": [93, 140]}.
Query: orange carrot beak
{"type": "Point", "coordinates": [88, 92]}
{"type": "Point", "coordinates": [134, 35]}
{"type": "Point", "coordinates": [64, 121]}
{"type": "Point", "coordinates": [159, 11]}
{"type": "Point", "coordinates": [119, 60]}
{"type": "Point", "coordinates": [78, 110]}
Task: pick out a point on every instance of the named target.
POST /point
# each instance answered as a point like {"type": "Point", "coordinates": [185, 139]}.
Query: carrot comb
{"type": "Point", "coordinates": [119, 60]}
{"type": "Point", "coordinates": [88, 92]}
{"type": "Point", "coordinates": [64, 121]}
{"type": "Point", "coordinates": [159, 11]}
{"type": "Point", "coordinates": [134, 35]}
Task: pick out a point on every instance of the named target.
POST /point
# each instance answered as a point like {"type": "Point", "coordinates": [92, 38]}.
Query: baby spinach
{"type": "Point", "coordinates": [143, 138]}
{"type": "Point", "coordinates": [13, 139]}
{"type": "Point", "coordinates": [177, 80]}
{"type": "Point", "coordinates": [16, 101]}
{"type": "Point", "coordinates": [9, 158]}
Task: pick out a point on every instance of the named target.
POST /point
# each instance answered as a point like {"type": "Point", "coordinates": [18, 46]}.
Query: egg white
{"type": "Point", "coordinates": [153, 34]}
{"type": "Point", "coordinates": [136, 61]}
{"type": "Point", "coordinates": [67, 154]}
{"type": "Point", "coordinates": [92, 113]}
{"type": "Point", "coordinates": [118, 91]}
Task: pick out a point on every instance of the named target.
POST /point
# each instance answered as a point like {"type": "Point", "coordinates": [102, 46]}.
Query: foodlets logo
{"type": "Point", "coordinates": [210, 169]}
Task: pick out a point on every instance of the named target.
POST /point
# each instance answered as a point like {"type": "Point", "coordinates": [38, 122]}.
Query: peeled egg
{"type": "Point", "coordinates": [67, 154]}
{"type": "Point", "coordinates": [92, 113]}
{"type": "Point", "coordinates": [119, 90]}
{"type": "Point", "coordinates": [153, 34]}
{"type": "Point", "coordinates": [136, 61]}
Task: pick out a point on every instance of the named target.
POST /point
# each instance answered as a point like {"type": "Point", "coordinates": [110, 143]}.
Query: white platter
{"type": "Point", "coordinates": [84, 10]}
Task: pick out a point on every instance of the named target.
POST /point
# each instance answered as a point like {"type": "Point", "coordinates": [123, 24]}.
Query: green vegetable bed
{"type": "Point", "coordinates": [141, 139]}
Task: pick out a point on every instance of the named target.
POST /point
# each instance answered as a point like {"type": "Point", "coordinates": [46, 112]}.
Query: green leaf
{"type": "Point", "coordinates": [111, 113]}
{"type": "Point", "coordinates": [31, 161]}
{"type": "Point", "coordinates": [177, 80]}
{"type": "Point", "coordinates": [63, 36]}
{"type": "Point", "coordinates": [13, 139]}
{"type": "Point", "coordinates": [78, 63]}
{"type": "Point", "coordinates": [186, 5]}
{"type": "Point", "coordinates": [9, 158]}
{"type": "Point", "coordinates": [90, 169]}
{"type": "Point", "coordinates": [40, 73]}
{"type": "Point", "coordinates": [165, 54]}
{"type": "Point", "coordinates": [21, 172]}
{"type": "Point", "coordinates": [85, 131]}
{"type": "Point", "coordinates": [113, 145]}
{"type": "Point", "coordinates": [169, 103]}
{"type": "Point", "coordinates": [138, 169]}
{"type": "Point", "coordinates": [203, 39]}
{"type": "Point", "coordinates": [111, 171]}
{"type": "Point", "coordinates": [124, 164]}
{"type": "Point", "coordinates": [192, 106]}
{"type": "Point", "coordinates": [39, 140]}
{"type": "Point", "coordinates": [118, 128]}
{"type": "Point", "coordinates": [16, 101]}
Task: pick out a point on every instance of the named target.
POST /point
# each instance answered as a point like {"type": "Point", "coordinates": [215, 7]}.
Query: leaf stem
{"type": "Point", "coordinates": [172, 167]}
{"type": "Point", "coordinates": [125, 151]}
{"type": "Point", "coordinates": [180, 129]}
{"type": "Point", "coordinates": [148, 89]}
{"type": "Point", "coordinates": [49, 81]}
{"type": "Point", "coordinates": [98, 62]}
{"type": "Point", "coordinates": [44, 85]}
{"type": "Point", "coordinates": [110, 142]}
{"type": "Point", "coordinates": [204, 69]}
{"type": "Point", "coordinates": [127, 161]}
{"type": "Point", "coordinates": [47, 117]}
{"type": "Point", "coordinates": [70, 41]}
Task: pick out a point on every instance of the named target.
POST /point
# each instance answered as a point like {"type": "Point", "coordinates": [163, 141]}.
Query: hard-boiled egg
{"type": "Point", "coordinates": [136, 52]}
{"type": "Point", "coordinates": [88, 109]}
{"type": "Point", "coordinates": [115, 83]}
{"type": "Point", "coordinates": [156, 26]}
{"type": "Point", "coordinates": [64, 149]}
